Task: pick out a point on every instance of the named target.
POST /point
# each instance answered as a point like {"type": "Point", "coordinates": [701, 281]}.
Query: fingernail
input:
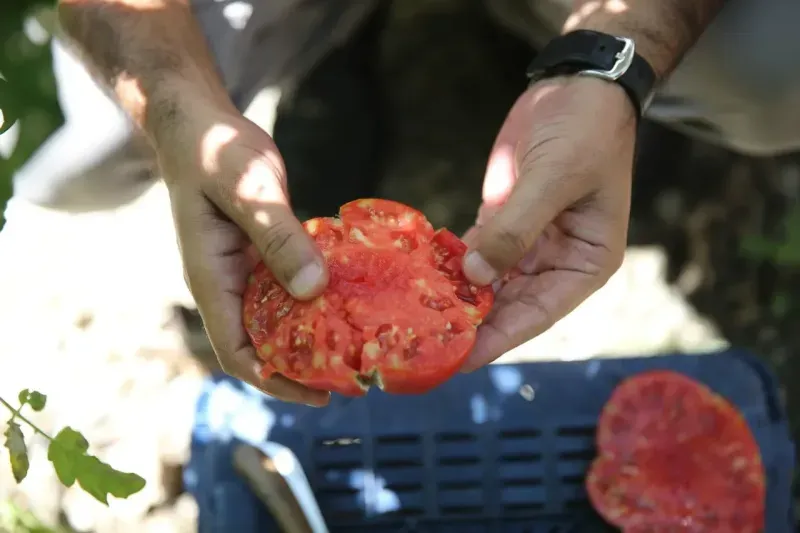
{"type": "Point", "coordinates": [307, 280]}
{"type": "Point", "coordinates": [478, 270]}
{"type": "Point", "coordinates": [319, 402]}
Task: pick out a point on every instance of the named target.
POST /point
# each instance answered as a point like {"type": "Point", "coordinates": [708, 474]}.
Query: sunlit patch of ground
{"type": "Point", "coordinates": [85, 320]}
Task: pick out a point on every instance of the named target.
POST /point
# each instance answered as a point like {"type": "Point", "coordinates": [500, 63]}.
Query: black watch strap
{"type": "Point", "coordinates": [591, 53]}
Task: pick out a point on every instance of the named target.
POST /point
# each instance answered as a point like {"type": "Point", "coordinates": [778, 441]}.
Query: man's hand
{"type": "Point", "coordinates": [226, 179]}
{"type": "Point", "coordinates": [556, 202]}
{"type": "Point", "coordinates": [227, 186]}
{"type": "Point", "coordinates": [556, 196]}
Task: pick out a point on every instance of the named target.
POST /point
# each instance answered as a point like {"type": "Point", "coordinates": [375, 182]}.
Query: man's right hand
{"type": "Point", "coordinates": [227, 186]}
{"type": "Point", "coordinates": [226, 179]}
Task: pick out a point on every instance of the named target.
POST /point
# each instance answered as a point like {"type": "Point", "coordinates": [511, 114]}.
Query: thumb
{"type": "Point", "coordinates": [505, 238]}
{"type": "Point", "coordinates": [259, 205]}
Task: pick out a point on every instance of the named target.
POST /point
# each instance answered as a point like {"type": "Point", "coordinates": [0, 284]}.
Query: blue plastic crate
{"type": "Point", "coordinates": [505, 448]}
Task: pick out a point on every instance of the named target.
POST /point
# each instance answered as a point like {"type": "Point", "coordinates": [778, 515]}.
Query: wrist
{"type": "Point", "coordinates": [563, 91]}
{"type": "Point", "coordinates": [164, 72]}
{"type": "Point", "coordinates": [175, 106]}
{"type": "Point", "coordinates": [662, 31]}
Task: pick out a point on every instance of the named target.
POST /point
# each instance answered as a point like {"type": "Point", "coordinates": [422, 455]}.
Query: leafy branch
{"type": "Point", "coordinates": [67, 451]}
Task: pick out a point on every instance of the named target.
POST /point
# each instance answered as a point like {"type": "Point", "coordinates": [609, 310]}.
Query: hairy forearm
{"type": "Point", "coordinates": [150, 53]}
{"type": "Point", "coordinates": [663, 30]}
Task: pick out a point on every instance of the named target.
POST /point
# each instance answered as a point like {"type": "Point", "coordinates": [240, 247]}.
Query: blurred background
{"type": "Point", "coordinates": [94, 312]}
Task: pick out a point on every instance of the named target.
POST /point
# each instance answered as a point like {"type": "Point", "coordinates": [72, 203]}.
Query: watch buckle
{"type": "Point", "coordinates": [622, 63]}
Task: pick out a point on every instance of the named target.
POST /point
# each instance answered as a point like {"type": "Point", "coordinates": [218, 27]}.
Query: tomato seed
{"type": "Point", "coordinates": [445, 336]}
{"type": "Point", "coordinates": [437, 304]}
{"type": "Point", "coordinates": [404, 242]}
{"type": "Point", "coordinates": [386, 336]}
{"type": "Point", "coordinates": [261, 291]}
{"type": "Point", "coordinates": [279, 364]}
{"type": "Point", "coordinates": [266, 351]}
{"type": "Point", "coordinates": [318, 361]}
{"type": "Point", "coordinates": [372, 349]}
{"type": "Point", "coordinates": [467, 293]}
{"type": "Point", "coordinates": [301, 342]}
{"type": "Point", "coordinates": [284, 310]}
{"type": "Point", "coordinates": [411, 351]}
{"type": "Point", "coordinates": [331, 339]}
{"type": "Point", "coordinates": [441, 253]}
{"type": "Point", "coordinates": [739, 464]}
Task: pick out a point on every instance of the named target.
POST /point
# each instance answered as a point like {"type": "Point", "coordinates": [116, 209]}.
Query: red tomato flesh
{"type": "Point", "coordinates": [676, 457]}
{"type": "Point", "coordinates": [398, 312]}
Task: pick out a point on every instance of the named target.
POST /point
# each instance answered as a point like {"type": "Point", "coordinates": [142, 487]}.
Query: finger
{"type": "Point", "coordinates": [527, 307]}
{"type": "Point", "coordinates": [221, 310]}
{"type": "Point", "coordinates": [258, 203]}
{"type": "Point", "coordinates": [470, 235]}
{"type": "Point", "coordinates": [511, 214]}
{"type": "Point", "coordinates": [217, 264]}
{"type": "Point", "coordinates": [285, 389]}
{"type": "Point", "coordinates": [486, 211]}
{"type": "Point", "coordinates": [505, 238]}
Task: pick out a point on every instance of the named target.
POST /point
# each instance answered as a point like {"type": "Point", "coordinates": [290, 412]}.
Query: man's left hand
{"type": "Point", "coordinates": [556, 204]}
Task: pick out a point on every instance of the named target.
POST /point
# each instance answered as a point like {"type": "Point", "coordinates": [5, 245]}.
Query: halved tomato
{"type": "Point", "coordinates": [398, 312]}
{"type": "Point", "coordinates": [675, 456]}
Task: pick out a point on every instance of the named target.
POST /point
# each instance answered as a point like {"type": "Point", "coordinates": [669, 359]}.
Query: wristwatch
{"type": "Point", "coordinates": [599, 55]}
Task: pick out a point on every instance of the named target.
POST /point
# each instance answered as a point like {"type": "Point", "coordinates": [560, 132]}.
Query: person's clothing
{"type": "Point", "coordinates": [97, 161]}
{"type": "Point", "coordinates": [740, 86]}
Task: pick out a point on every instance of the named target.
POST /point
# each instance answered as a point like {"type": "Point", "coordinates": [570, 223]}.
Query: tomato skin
{"type": "Point", "coordinates": [675, 456]}
{"type": "Point", "coordinates": [397, 313]}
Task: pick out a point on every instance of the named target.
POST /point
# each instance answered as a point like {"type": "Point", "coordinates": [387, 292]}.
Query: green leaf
{"type": "Point", "coordinates": [99, 479]}
{"type": "Point", "coordinates": [67, 452]}
{"type": "Point", "coordinates": [17, 450]}
{"type": "Point", "coordinates": [23, 396]}
{"type": "Point", "coordinates": [64, 452]}
{"type": "Point", "coordinates": [37, 400]}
